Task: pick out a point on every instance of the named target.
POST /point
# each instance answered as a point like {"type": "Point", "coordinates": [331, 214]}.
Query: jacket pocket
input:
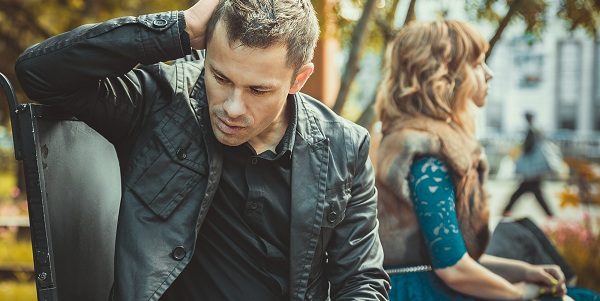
{"type": "Point", "coordinates": [170, 165]}
{"type": "Point", "coordinates": [336, 200]}
{"type": "Point", "coordinates": [334, 212]}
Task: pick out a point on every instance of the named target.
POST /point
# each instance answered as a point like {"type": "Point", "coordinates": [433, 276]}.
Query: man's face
{"type": "Point", "coordinates": [247, 90]}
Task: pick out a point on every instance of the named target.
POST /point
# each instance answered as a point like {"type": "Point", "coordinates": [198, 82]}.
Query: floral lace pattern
{"type": "Point", "coordinates": [432, 194]}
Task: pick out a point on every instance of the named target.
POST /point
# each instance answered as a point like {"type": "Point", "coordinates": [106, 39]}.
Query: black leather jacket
{"type": "Point", "coordinates": [156, 115]}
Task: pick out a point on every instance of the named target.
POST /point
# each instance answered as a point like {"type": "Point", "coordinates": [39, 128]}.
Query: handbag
{"type": "Point", "coordinates": [522, 240]}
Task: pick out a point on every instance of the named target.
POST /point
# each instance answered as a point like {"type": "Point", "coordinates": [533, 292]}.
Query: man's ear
{"type": "Point", "coordinates": [301, 77]}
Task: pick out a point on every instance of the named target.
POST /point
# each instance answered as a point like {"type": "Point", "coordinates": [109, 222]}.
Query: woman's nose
{"type": "Point", "coordinates": [488, 72]}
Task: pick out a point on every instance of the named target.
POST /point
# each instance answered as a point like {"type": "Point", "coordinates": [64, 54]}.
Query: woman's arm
{"type": "Point", "coordinates": [550, 277]}
{"type": "Point", "coordinates": [432, 194]}
{"type": "Point", "coordinates": [511, 270]}
{"type": "Point", "coordinates": [470, 278]}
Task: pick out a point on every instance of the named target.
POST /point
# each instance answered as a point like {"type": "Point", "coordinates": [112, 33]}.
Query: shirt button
{"type": "Point", "coordinates": [254, 161]}
{"type": "Point", "coordinates": [159, 23]}
{"type": "Point", "coordinates": [178, 253]}
{"type": "Point", "coordinates": [181, 154]}
{"type": "Point", "coordinates": [331, 217]}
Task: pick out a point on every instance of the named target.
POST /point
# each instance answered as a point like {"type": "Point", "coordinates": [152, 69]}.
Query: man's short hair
{"type": "Point", "coordinates": [264, 23]}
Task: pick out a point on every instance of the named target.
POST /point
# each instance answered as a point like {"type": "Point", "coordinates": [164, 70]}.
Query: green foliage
{"type": "Point", "coordinates": [581, 14]}
{"type": "Point", "coordinates": [384, 15]}
{"type": "Point", "coordinates": [576, 13]}
{"type": "Point", "coordinates": [532, 12]}
{"type": "Point", "coordinates": [23, 23]}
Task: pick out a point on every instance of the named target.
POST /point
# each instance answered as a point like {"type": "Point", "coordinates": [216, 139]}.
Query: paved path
{"type": "Point", "coordinates": [501, 190]}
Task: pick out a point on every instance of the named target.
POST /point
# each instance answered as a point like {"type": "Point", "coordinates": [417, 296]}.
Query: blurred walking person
{"type": "Point", "coordinates": [531, 171]}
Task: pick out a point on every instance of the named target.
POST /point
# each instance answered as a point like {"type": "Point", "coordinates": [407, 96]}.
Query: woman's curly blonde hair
{"type": "Point", "coordinates": [429, 72]}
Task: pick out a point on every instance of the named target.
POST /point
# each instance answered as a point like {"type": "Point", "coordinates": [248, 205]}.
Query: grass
{"type": "Point", "coordinates": [17, 291]}
{"type": "Point", "coordinates": [7, 184]}
{"type": "Point", "coordinates": [15, 252]}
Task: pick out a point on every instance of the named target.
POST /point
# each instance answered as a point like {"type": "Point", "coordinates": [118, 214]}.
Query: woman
{"type": "Point", "coordinates": [430, 173]}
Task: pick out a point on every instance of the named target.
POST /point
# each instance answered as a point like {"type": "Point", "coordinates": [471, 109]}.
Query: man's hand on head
{"type": "Point", "coordinates": [196, 19]}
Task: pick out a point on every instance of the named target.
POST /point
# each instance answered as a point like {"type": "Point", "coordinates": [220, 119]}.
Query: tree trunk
{"type": "Point", "coordinates": [502, 26]}
{"type": "Point", "coordinates": [367, 117]}
{"type": "Point", "coordinates": [410, 14]}
{"type": "Point", "coordinates": [358, 37]}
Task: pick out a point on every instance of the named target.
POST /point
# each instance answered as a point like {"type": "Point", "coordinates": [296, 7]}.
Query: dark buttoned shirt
{"type": "Point", "coordinates": [242, 250]}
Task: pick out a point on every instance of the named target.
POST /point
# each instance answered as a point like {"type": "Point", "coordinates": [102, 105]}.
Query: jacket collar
{"type": "Point", "coordinates": [308, 127]}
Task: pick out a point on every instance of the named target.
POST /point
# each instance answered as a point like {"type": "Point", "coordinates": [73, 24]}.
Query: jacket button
{"type": "Point", "coordinates": [178, 253]}
{"type": "Point", "coordinates": [181, 154]}
{"type": "Point", "coordinates": [332, 217]}
{"type": "Point", "coordinates": [160, 23]}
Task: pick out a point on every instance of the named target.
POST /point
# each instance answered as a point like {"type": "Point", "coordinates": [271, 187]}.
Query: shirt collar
{"type": "Point", "coordinates": [286, 144]}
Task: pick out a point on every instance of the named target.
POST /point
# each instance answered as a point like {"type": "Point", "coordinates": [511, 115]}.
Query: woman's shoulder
{"type": "Point", "coordinates": [407, 144]}
{"type": "Point", "coordinates": [429, 165]}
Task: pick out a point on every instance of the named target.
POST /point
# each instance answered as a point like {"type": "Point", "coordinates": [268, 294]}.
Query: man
{"type": "Point", "coordinates": [235, 186]}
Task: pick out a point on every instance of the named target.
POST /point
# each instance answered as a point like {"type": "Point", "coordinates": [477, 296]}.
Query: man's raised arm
{"type": "Point", "coordinates": [89, 71]}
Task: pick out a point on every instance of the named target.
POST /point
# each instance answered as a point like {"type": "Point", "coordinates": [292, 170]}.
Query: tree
{"type": "Point", "coordinates": [576, 14]}
{"type": "Point", "coordinates": [367, 118]}
{"type": "Point", "coordinates": [366, 36]}
{"type": "Point", "coordinates": [358, 38]}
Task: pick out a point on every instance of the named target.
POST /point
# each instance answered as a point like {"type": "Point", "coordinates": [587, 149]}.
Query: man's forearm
{"type": "Point", "coordinates": [80, 57]}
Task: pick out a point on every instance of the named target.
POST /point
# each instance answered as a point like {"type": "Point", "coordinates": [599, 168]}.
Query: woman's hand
{"type": "Point", "coordinates": [528, 291]}
{"type": "Point", "coordinates": [549, 277]}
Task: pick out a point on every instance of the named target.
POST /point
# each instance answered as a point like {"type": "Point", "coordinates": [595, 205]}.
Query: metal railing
{"type": "Point", "coordinates": [497, 146]}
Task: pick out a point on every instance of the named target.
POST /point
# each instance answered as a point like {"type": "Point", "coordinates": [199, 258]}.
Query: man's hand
{"type": "Point", "coordinates": [196, 18]}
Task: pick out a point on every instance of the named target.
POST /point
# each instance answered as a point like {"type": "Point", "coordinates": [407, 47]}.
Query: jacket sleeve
{"type": "Point", "coordinates": [89, 71]}
{"type": "Point", "coordinates": [355, 256]}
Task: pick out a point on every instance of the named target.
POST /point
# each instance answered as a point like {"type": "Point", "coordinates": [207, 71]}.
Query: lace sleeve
{"type": "Point", "coordinates": [432, 193]}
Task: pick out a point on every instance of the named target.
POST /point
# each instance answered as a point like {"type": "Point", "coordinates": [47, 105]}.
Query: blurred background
{"type": "Point", "coordinates": [545, 55]}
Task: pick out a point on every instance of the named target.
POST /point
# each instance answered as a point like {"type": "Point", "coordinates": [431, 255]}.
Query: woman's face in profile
{"type": "Point", "coordinates": [482, 75]}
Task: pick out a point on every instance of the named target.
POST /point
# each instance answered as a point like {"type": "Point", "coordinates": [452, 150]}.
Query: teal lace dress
{"type": "Point", "coordinates": [432, 193]}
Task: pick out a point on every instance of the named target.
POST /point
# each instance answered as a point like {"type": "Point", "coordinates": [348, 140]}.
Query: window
{"type": "Point", "coordinates": [530, 69]}
{"type": "Point", "coordinates": [568, 84]}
